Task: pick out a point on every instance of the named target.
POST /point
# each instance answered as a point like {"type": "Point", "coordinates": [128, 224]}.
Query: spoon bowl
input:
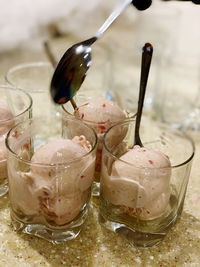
{"type": "Point", "coordinates": [73, 66]}
{"type": "Point", "coordinates": [71, 71]}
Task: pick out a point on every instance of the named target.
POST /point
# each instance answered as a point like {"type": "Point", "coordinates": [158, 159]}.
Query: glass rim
{"type": "Point", "coordinates": [24, 111]}
{"type": "Point", "coordinates": [53, 165]}
{"type": "Point", "coordinates": [155, 168]}
{"type": "Point", "coordinates": [93, 122]}
{"type": "Point", "coordinates": [23, 66]}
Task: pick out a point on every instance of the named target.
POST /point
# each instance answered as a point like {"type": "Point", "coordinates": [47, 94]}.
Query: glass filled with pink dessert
{"type": "Point", "coordinates": [50, 173]}
{"type": "Point", "coordinates": [143, 189]}
{"type": "Point", "coordinates": [100, 110]}
{"type": "Point", "coordinates": [15, 106]}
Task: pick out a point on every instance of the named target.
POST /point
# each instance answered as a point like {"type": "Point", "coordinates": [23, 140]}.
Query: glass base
{"type": "Point", "coordinates": [139, 239]}
{"type": "Point", "coordinates": [3, 187]}
{"type": "Point", "coordinates": [55, 236]}
{"type": "Point", "coordinates": [96, 189]}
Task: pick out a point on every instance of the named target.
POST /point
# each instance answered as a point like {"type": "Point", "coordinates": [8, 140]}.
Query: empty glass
{"type": "Point", "coordinates": [50, 173]}
{"type": "Point", "coordinates": [15, 106]}
{"type": "Point", "coordinates": [35, 79]}
{"type": "Point", "coordinates": [142, 190]}
{"type": "Point", "coordinates": [160, 26]}
{"type": "Point", "coordinates": [177, 98]}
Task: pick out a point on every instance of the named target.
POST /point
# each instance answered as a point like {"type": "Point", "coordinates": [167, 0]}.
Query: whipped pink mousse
{"type": "Point", "coordinates": [100, 110]}
{"type": "Point", "coordinates": [139, 182]}
{"type": "Point", "coordinates": [58, 192]}
{"type": "Point", "coordinates": [6, 119]}
{"type": "Point", "coordinates": [6, 122]}
{"type": "Point", "coordinates": [100, 113]}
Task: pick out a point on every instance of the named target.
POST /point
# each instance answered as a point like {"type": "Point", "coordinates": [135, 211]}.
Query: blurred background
{"type": "Point", "coordinates": [172, 27]}
{"type": "Point", "coordinates": [27, 22]}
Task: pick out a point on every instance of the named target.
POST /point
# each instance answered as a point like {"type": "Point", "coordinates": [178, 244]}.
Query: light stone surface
{"type": "Point", "coordinates": [96, 246]}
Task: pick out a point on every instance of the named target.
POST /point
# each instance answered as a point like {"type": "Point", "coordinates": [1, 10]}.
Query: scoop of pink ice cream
{"type": "Point", "coordinates": [139, 182]}
{"type": "Point", "coordinates": [100, 113]}
{"type": "Point", "coordinates": [100, 110]}
{"type": "Point", "coordinates": [3, 157]}
{"type": "Point", "coordinates": [6, 119]}
{"type": "Point", "coordinates": [58, 193]}
{"type": "Point", "coordinates": [3, 152]}
{"type": "Point", "coordinates": [60, 151]}
{"type": "Point", "coordinates": [6, 122]}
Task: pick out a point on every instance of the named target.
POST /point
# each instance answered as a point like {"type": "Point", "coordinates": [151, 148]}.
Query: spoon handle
{"type": "Point", "coordinates": [116, 12]}
{"type": "Point", "coordinates": [146, 62]}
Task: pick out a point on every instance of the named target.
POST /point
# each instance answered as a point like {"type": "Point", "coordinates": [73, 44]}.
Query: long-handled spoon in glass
{"type": "Point", "coordinates": [146, 63]}
{"type": "Point", "coordinates": [72, 68]}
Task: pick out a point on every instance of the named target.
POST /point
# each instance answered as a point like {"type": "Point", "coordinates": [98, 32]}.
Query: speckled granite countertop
{"type": "Point", "coordinates": [96, 246]}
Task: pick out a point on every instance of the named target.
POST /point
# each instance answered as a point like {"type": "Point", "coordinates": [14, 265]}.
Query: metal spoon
{"type": "Point", "coordinates": [54, 63]}
{"type": "Point", "coordinates": [146, 62]}
{"type": "Point", "coordinates": [72, 68]}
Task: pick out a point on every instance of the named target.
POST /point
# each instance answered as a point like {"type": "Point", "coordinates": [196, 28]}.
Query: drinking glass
{"type": "Point", "coordinates": [178, 87]}
{"type": "Point", "coordinates": [99, 127]}
{"type": "Point", "coordinates": [15, 106]}
{"type": "Point", "coordinates": [50, 173]}
{"type": "Point", "coordinates": [140, 199]}
{"type": "Point", "coordinates": [160, 26]}
{"type": "Point", "coordinates": [34, 78]}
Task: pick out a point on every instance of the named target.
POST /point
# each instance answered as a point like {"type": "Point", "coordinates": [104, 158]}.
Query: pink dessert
{"type": "Point", "coordinates": [139, 182]}
{"type": "Point", "coordinates": [57, 185]}
{"type": "Point", "coordinates": [100, 110]}
{"type": "Point", "coordinates": [6, 122]}
{"type": "Point", "coordinates": [100, 113]}
{"type": "Point", "coordinates": [6, 119]}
